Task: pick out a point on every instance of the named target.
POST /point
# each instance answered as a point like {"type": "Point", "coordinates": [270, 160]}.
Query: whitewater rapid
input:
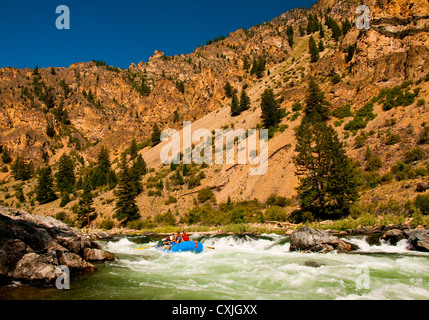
{"type": "Point", "coordinates": [248, 267]}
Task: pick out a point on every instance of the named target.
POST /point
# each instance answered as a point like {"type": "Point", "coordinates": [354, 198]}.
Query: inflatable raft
{"type": "Point", "coordinates": [185, 246]}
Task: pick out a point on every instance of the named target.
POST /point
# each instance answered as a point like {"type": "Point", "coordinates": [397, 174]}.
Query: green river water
{"type": "Point", "coordinates": [246, 268]}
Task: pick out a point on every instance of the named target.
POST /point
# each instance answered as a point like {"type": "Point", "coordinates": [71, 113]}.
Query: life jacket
{"type": "Point", "coordinates": [185, 237]}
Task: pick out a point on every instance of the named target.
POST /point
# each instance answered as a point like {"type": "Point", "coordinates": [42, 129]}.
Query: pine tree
{"type": "Point", "coordinates": [126, 208]}
{"type": "Point", "coordinates": [327, 180]}
{"type": "Point", "coordinates": [156, 135]}
{"type": "Point", "coordinates": [258, 67]}
{"type": "Point", "coordinates": [235, 105]}
{"type": "Point", "coordinates": [316, 105]}
{"type": "Point", "coordinates": [321, 46]}
{"type": "Point", "coordinates": [229, 90]}
{"type": "Point", "coordinates": [314, 50]}
{"type": "Point", "coordinates": [244, 101]}
{"type": "Point", "coordinates": [85, 210]}
{"type": "Point", "coordinates": [36, 70]}
{"type": "Point", "coordinates": [345, 26]}
{"type": "Point", "coordinates": [133, 149]}
{"type": "Point", "coordinates": [289, 32]}
{"type": "Point", "coordinates": [336, 30]}
{"type": "Point", "coordinates": [5, 157]}
{"type": "Point", "coordinates": [270, 109]}
{"type": "Point", "coordinates": [321, 31]}
{"type": "Point", "coordinates": [21, 170]}
{"type": "Point", "coordinates": [65, 176]}
{"type": "Point", "coordinates": [140, 165]}
{"type": "Point", "coordinates": [103, 161]}
{"type": "Point", "coordinates": [45, 187]}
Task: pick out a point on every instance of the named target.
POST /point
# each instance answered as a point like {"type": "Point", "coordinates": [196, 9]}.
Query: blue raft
{"type": "Point", "coordinates": [185, 246]}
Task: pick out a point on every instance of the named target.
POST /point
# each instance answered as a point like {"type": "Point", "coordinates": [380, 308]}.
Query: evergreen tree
{"type": "Point", "coordinates": [289, 32]}
{"type": "Point", "coordinates": [21, 170]}
{"type": "Point", "coordinates": [50, 130]}
{"type": "Point", "coordinates": [258, 67]}
{"type": "Point", "coordinates": [327, 180]}
{"type": "Point", "coordinates": [65, 176]}
{"type": "Point", "coordinates": [229, 90]}
{"type": "Point", "coordinates": [103, 160]}
{"type": "Point", "coordinates": [5, 157]}
{"type": "Point", "coordinates": [314, 50]}
{"type": "Point", "coordinates": [112, 180]}
{"type": "Point", "coordinates": [321, 46]}
{"type": "Point", "coordinates": [65, 198]}
{"type": "Point", "coordinates": [246, 64]}
{"type": "Point", "coordinates": [312, 24]}
{"type": "Point", "coordinates": [140, 165]}
{"type": "Point", "coordinates": [156, 135]}
{"type": "Point", "coordinates": [133, 149]}
{"type": "Point", "coordinates": [316, 105]}
{"type": "Point", "coordinates": [85, 210]}
{"type": "Point", "coordinates": [36, 70]}
{"type": "Point", "coordinates": [345, 26]}
{"type": "Point", "coordinates": [336, 31]}
{"type": "Point", "coordinates": [180, 85]}
{"type": "Point", "coordinates": [321, 31]}
{"type": "Point", "coordinates": [126, 208]}
{"type": "Point", "coordinates": [45, 187]}
{"type": "Point", "coordinates": [244, 101]}
{"type": "Point", "coordinates": [270, 109]}
{"type": "Point", "coordinates": [235, 105]}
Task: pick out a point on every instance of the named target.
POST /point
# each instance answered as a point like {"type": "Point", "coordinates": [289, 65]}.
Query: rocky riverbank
{"type": "Point", "coordinates": [32, 247]}
{"type": "Point", "coordinates": [308, 239]}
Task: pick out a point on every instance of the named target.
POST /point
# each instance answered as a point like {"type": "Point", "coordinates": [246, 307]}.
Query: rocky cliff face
{"type": "Point", "coordinates": [108, 106]}
{"type": "Point", "coordinates": [32, 247]}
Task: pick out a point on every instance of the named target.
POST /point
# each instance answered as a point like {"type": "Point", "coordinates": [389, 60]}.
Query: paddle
{"type": "Point", "coordinates": [145, 247]}
{"type": "Point", "coordinates": [210, 248]}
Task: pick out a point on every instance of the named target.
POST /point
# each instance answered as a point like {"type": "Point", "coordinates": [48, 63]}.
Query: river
{"type": "Point", "coordinates": [247, 268]}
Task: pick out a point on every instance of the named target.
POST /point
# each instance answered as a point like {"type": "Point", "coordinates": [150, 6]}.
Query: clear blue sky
{"type": "Point", "coordinates": [122, 32]}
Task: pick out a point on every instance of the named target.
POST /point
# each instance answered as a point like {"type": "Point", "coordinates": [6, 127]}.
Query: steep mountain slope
{"type": "Point", "coordinates": [351, 71]}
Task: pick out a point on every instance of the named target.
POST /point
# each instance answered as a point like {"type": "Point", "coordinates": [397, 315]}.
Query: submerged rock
{"type": "Point", "coordinates": [314, 240]}
{"type": "Point", "coordinates": [31, 248]}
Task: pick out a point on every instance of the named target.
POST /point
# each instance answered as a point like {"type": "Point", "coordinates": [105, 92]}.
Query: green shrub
{"type": "Point", "coordinates": [274, 200]}
{"type": "Point", "coordinates": [275, 213]}
{"type": "Point", "coordinates": [422, 203]}
{"type": "Point", "coordinates": [356, 124]}
{"type": "Point", "coordinates": [166, 219]}
{"type": "Point", "coordinates": [392, 139]}
{"type": "Point", "coordinates": [343, 112]}
{"type": "Point", "coordinates": [108, 224]}
{"type": "Point", "coordinates": [373, 164]}
{"type": "Point", "coordinates": [171, 199]}
{"type": "Point", "coordinates": [415, 154]}
{"type": "Point", "coordinates": [296, 107]}
{"type": "Point", "coordinates": [205, 195]}
{"type": "Point", "coordinates": [424, 136]}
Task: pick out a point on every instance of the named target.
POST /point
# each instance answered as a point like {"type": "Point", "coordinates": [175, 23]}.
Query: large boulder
{"type": "Point", "coordinates": [32, 247]}
{"type": "Point", "coordinates": [419, 239]}
{"type": "Point", "coordinates": [314, 240]}
{"type": "Point", "coordinates": [393, 236]}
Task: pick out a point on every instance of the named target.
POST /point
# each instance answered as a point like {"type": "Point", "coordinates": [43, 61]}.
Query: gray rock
{"type": "Point", "coordinates": [97, 255]}
{"type": "Point", "coordinates": [313, 240]}
{"type": "Point", "coordinates": [393, 236]}
{"type": "Point", "coordinates": [423, 186]}
{"type": "Point", "coordinates": [418, 239]}
{"type": "Point", "coordinates": [31, 248]}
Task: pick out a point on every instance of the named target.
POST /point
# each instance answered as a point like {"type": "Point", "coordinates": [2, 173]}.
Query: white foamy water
{"type": "Point", "coordinates": [248, 267]}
